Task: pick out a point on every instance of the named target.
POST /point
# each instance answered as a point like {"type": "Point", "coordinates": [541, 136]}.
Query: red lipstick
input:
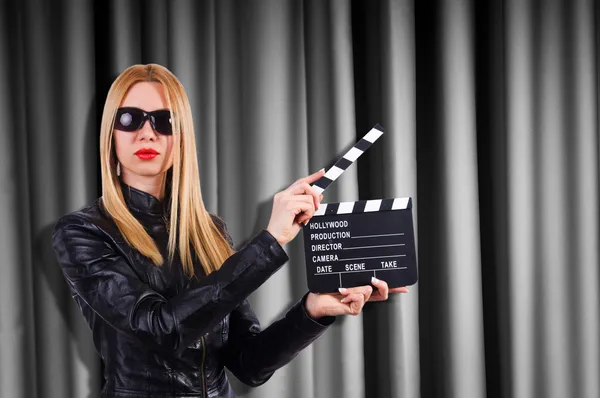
{"type": "Point", "coordinates": [146, 153]}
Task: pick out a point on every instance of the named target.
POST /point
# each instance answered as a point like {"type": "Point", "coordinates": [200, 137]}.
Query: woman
{"type": "Point", "coordinates": [156, 275]}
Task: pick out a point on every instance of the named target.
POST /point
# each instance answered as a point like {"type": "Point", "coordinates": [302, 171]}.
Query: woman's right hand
{"type": "Point", "coordinates": [293, 207]}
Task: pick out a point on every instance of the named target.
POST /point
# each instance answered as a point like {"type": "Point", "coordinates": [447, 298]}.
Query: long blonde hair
{"type": "Point", "coordinates": [191, 225]}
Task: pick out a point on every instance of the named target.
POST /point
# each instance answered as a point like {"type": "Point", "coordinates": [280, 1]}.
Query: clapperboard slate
{"type": "Point", "coordinates": [347, 243]}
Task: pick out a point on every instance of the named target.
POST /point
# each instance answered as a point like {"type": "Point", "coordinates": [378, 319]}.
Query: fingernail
{"type": "Point", "coordinates": [373, 279]}
{"type": "Point", "coordinates": [344, 300]}
{"type": "Point", "coordinates": [342, 289]}
{"type": "Point", "coordinates": [323, 169]}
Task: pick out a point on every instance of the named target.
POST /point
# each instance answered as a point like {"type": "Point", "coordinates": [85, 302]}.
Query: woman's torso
{"type": "Point", "coordinates": [132, 369]}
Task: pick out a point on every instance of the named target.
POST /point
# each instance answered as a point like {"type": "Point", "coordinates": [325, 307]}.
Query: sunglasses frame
{"type": "Point", "coordinates": [147, 116]}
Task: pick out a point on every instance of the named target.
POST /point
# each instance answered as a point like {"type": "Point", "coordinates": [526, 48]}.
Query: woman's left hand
{"type": "Point", "coordinates": [349, 301]}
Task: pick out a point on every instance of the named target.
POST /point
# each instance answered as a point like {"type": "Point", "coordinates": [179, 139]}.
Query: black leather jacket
{"type": "Point", "coordinates": [161, 334]}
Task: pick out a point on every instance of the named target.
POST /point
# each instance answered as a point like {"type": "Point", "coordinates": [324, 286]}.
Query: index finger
{"type": "Point", "coordinates": [313, 177]}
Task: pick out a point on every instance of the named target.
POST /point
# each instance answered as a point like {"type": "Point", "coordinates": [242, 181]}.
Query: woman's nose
{"type": "Point", "coordinates": [146, 131]}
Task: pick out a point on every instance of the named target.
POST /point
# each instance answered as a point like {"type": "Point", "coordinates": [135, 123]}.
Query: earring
{"type": "Point", "coordinates": [118, 168]}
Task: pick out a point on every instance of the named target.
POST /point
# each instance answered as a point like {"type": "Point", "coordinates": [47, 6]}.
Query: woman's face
{"type": "Point", "coordinates": [148, 96]}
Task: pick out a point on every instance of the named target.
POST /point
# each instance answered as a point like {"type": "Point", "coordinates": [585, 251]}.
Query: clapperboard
{"type": "Point", "coordinates": [347, 243]}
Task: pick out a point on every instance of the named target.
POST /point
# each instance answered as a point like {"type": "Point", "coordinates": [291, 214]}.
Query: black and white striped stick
{"type": "Point", "coordinates": [346, 161]}
{"type": "Point", "coordinates": [363, 206]}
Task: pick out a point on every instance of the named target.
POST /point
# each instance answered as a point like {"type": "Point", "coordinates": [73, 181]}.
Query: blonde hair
{"type": "Point", "coordinates": [191, 225]}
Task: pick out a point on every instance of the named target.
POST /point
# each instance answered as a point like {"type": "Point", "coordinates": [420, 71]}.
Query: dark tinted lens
{"type": "Point", "coordinates": [128, 119]}
{"type": "Point", "coordinates": [161, 121]}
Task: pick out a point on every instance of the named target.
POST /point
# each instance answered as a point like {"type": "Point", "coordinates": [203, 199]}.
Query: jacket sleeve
{"type": "Point", "coordinates": [253, 355]}
{"type": "Point", "coordinates": [103, 278]}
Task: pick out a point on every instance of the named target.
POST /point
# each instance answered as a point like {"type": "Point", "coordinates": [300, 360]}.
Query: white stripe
{"type": "Point", "coordinates": [318, 189]}
{"type": "Point", "coordinates": [321, 210]}
{"type": "Point", "coordinates": [373, 205]}
{"type": "Point", "coordinates": [333, 173]}
{"type": "Point", "coordinates": [345, 207]}
{"type": "Point", "coordinates": [372, 135]}
{"type": "Point", "coordinates": [353, 154]}
{"type": "Point", "coordinates": [400, 203]}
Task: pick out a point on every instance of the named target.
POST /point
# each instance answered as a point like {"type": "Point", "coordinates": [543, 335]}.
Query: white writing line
{"type": "Point", "coordinates": [373, 236]}
{"type": "Point", "coordinates": [368, 247]}
{"type": "Point", "coordinates": [365, 270]}
{"type": "Point", "coordinates": [365, 258]}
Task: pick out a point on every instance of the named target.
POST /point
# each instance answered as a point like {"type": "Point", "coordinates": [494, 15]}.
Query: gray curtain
{"type": "Point", "coordinates": [491, 117]}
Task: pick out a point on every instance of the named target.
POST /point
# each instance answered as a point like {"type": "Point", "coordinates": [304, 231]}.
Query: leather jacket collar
{"type": "Point", "coordinates": [142, 202]}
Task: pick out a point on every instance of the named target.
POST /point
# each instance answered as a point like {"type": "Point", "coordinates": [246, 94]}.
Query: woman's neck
{"type": "Point", "coordinates": [154, 185]}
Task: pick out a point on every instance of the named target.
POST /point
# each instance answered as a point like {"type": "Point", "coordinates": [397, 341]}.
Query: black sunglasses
{"type": "Point", "coordinates": [132, 119]}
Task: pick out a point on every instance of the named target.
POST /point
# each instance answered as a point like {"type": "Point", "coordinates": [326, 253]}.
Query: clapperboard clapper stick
{"type": "Point", "coordinates": [347, 243]}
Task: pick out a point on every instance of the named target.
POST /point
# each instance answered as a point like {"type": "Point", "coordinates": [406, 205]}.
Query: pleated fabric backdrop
{"type": "Point", "coordinates": [491, 117]}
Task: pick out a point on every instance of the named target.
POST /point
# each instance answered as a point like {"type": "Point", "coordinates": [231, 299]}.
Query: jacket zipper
{"type": "Point", "coordinates": [166, 222]}
{"type": "Point", "coordinates": [203, 357]}
{"type": "Point", "coordinates": [201, 337]}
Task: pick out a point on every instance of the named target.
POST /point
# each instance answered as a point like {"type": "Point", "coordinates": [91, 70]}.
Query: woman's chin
{"type": "Point", "coordinates": [148, 172]}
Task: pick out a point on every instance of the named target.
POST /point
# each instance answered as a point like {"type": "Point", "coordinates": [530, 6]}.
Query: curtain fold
{"type": "Point", "coordinates": [17, 345]}
{"type": "Point", "coordinates": [553, 199]}
{"type": "Point", "coordinates": [490, 111]}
